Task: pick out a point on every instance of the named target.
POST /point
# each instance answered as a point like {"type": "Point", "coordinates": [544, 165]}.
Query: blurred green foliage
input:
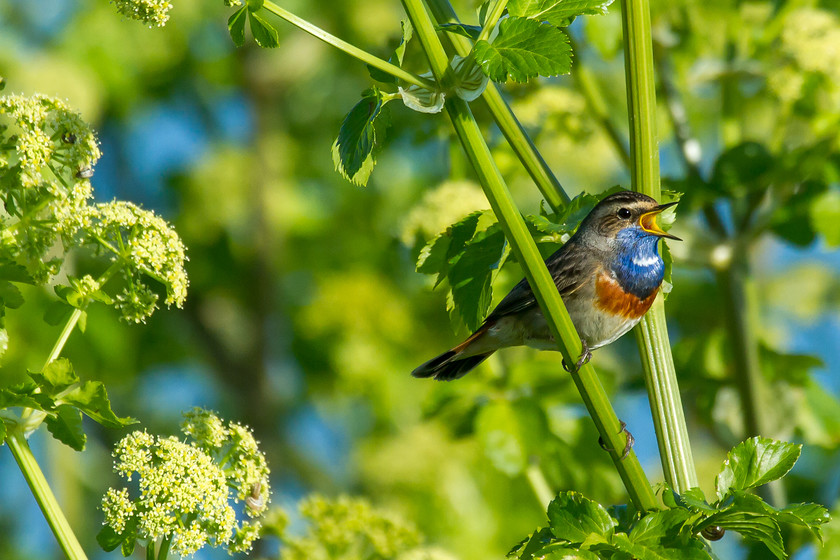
{"type": "Point", "coordinates": [305, 314]}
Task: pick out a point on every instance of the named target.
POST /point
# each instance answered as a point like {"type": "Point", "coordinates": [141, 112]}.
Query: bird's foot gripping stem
{"type": "Point", "coordinates": [627, 447]}
{"type": "Point", "coordinates": [585, 356]}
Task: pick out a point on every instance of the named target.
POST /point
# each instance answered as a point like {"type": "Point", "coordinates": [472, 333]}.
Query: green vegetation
{"type": "Point", "coordinates": [306, 311]}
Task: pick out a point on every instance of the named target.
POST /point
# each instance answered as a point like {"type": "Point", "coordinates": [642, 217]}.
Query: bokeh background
{"type": "Point", "coordinates": [305, 315]}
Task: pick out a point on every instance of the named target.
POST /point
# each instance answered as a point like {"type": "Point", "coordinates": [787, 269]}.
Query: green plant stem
{"type": "Point", "coordinates": [511, 128]}
{"type": "Point", "coordinates": [62, 338]}
{"type": "Point", "coordinates": [492, 20]}
{"type": "Point", "coordinates": [346, 47]}
{"type": "Point", "coordinates": [591, 91]}
{"type": "Point", "coordinates": [44, 496]}
{"type": "Point", "coordinates": [652, 333]}
{"type": "Point", "coordinates": [523, 246]}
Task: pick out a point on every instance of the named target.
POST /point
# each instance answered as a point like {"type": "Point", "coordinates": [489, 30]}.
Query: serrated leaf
{"type": "Point", "coordinates": [471, 272]}
{"type": "Point", "coordinates": [694, 500]}
{"type": "Point", "coordinates": [469, 31]}
{"type": "Point", "coordinates": [806, 515]}
{"type": "Point", "coordinates": [470, 81]}
{"type": "Point", "coordinates": [57, 376]}
{"type": "Point", "coordinates": [525, 549]}
{"type": "Point", "coordinates": [434, 257]}
{"type": "Point", "coordinates": [66, 427]}
{"type": "Point", "coordinates": [236, 26]}
{"type": "Point", "coordinates": [524, 48]}
{"type": "Point", "coordinates": [573, 517]}
{"type": "Point", "coordinates": [353, 149]}
{"type": "Point", "coordinates": [752, 526]}
{"type": "Point", "coordinates": [650, 551]}
{"type": "Point", "coordinates": [755, 462]}
{"type": "Point", "coordinates": [264, 33]}
{"type": "Point", "coordinates": [559, 13]}
{"type": "Point", "coordinates": [91, 398]}
{"type": "Point", "coordinates": [657, 528]}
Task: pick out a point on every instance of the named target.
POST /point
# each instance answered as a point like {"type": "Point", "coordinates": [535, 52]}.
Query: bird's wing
{"type": "Point", "coordinates": [569, 267]}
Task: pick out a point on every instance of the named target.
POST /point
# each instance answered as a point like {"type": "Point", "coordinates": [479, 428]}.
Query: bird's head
{"type": "Point", "coordinates": [625, 214]}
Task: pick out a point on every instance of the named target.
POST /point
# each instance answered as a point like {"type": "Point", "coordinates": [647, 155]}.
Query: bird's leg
{"type": "Point", "coordinates": [585, 356]}
{"type": "Point", "coordinates": [629, 445]}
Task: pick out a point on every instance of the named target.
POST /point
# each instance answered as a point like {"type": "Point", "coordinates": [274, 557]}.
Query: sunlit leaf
{"type": "Point", "coordinates": [524, 49]}
{"type": "Point", "coordinates": [236, 26]}
{"type": "Point", "coordinates": [574, 517]}
{"type": "Point", "coordinates": [264, 33]}
{"type": "Point", "coordinates": [471, 272]}
{"type": "Point", "coordinates": [91, 398]}
{"type": "Point", "coordinates": [353, 150]}
{"type": "Point", "coordinates": [559, 13]}
{"type": "Point", "coordinates": [396, 57]}
{"type": "Point", "coordinates": [57, 376]}
{"type": "Point", "coordinates": [66, 427]}
{"type": "Point", "coordinates": [434, 257]}
{"type": "Point", "coordinates": [755, 462]}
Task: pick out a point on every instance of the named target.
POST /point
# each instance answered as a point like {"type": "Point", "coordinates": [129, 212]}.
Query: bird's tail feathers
{"type": "Point", "coordinates": [449, 365]}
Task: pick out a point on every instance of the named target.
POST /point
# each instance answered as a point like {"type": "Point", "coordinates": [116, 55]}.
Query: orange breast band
{"type": "Point", "coordinates": [612, 299]}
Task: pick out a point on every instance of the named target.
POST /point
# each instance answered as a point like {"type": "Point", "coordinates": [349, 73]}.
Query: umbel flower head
{"type": "Point", "coordinates": [153, 12]}
{"type": "Point", "coordinates": [46, 162]}
{"type": "Point", "coordinates": [141, 246]}
{"type": "Point", "coordinates": [186, 490]}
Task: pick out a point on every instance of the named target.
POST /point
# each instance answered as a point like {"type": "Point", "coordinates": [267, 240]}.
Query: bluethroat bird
{"type": "Point", "coordinates": [608, 275]}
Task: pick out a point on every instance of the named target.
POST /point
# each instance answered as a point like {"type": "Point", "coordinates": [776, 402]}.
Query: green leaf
{"type": "Point", "coordinates": [236, 26]}
{"type": "Point", "coordinates": [526, 549]}
{"type": "Point", "coordinates": [434, 257]}
{"type": "Point", "coordinates": [524, 49]}
{"type": "Point", "coordinates": [22, 395]}
{"type": "Point", "coordinates": [651, 551]}
{"type": "Point", "coordinates": [396, 57]}
{"type": "Point", "coordinates": [752, 526]}
{"type": "Point", "coordinates": [108, 539]}
{"type": "Point", "coordinates": [14, 272]}
{"type": "Point", "coordinates": [10, 295]}
{"type": "Point", "coordinates": [824, 212]}
{"type": "Point", "coordinates": [57, 312]}
{"type": "Point", "coordinates": [656, 528]}
{"type": "Point", "coordinates": [66, 427]}
{"type": "Point", "coordinates": [559, 13]}
{"type": "Point", "coordinates": [806, 515]}
{"type": "Point", "coordinates": [510, 433]}
{"type": "Point", "coordinates": [57, 376]}
{"type": "Point", "coordinates": [91, 398]}
{"type": "Point", "coordinates": [264, 33]}
{"type": "Point", "coordinates": [471, 273]}
{"type": "Point", "coordinates": [694, 500]}
{"type": "Point", "coordinates": [754, 462]}
{"type": "Point", "coordinates": [357, 137]}
{"type": "Point", "coordinates": [469, 31]}
{"type": "Point", "coordinates": [573, 517]}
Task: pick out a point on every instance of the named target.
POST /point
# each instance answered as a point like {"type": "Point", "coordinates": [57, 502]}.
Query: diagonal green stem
{"type": "Point", "coordinates": [492, 20]}
{"type": "Point", "coordinates": [652, 332]}
{"type": "Point", "coordinates": [44, 496]}
{"type": "Point", "coordinates": [507, 122]}
{"type": "Point", "coordinates": [346, 47]}
{"type": "Point", "coordinates": [523, 246]}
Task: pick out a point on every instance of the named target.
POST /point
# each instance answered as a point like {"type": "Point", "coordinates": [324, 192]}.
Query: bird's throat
{"type": "Point", "coordinates": [638, 267]}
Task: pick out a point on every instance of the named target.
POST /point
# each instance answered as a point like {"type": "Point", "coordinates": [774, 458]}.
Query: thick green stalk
{"type": "Point", "coordinates": [44, 496]}
{"type": "Point", "coordinates": [492, 20]}
{"type": "Point", "coordinates": [507, 122]}
{"type": "Point", "coordinates": [523, 246]}
{"type": "Point", "coordinates": [652, 332]}
{"type": "Point", "coordinates": [346, 47]}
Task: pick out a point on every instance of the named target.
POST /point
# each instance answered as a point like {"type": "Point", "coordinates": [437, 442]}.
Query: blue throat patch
{"type": "Point", "coordinates": [638, 267]}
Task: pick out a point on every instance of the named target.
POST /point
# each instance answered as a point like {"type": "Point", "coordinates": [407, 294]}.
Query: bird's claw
{"type": "Point", "coordinates": [627, 446]}
{"type": "Point", "coordinates": [585, 356]}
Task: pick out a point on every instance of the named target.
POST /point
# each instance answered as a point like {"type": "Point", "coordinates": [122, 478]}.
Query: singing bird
{"type": "Point", "coordinates": [608, 275]}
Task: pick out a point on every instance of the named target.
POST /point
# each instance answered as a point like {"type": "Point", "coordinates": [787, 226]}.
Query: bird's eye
{"type": "Point", "coordinates": [624, 213]}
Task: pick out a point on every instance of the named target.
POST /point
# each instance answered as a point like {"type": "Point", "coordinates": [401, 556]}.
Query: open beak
{"type": "Point", "coordinates": [648, 222]}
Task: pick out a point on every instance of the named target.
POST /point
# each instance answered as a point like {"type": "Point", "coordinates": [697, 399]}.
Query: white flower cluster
{"type": "Point", "coordinates": [186, 489]}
